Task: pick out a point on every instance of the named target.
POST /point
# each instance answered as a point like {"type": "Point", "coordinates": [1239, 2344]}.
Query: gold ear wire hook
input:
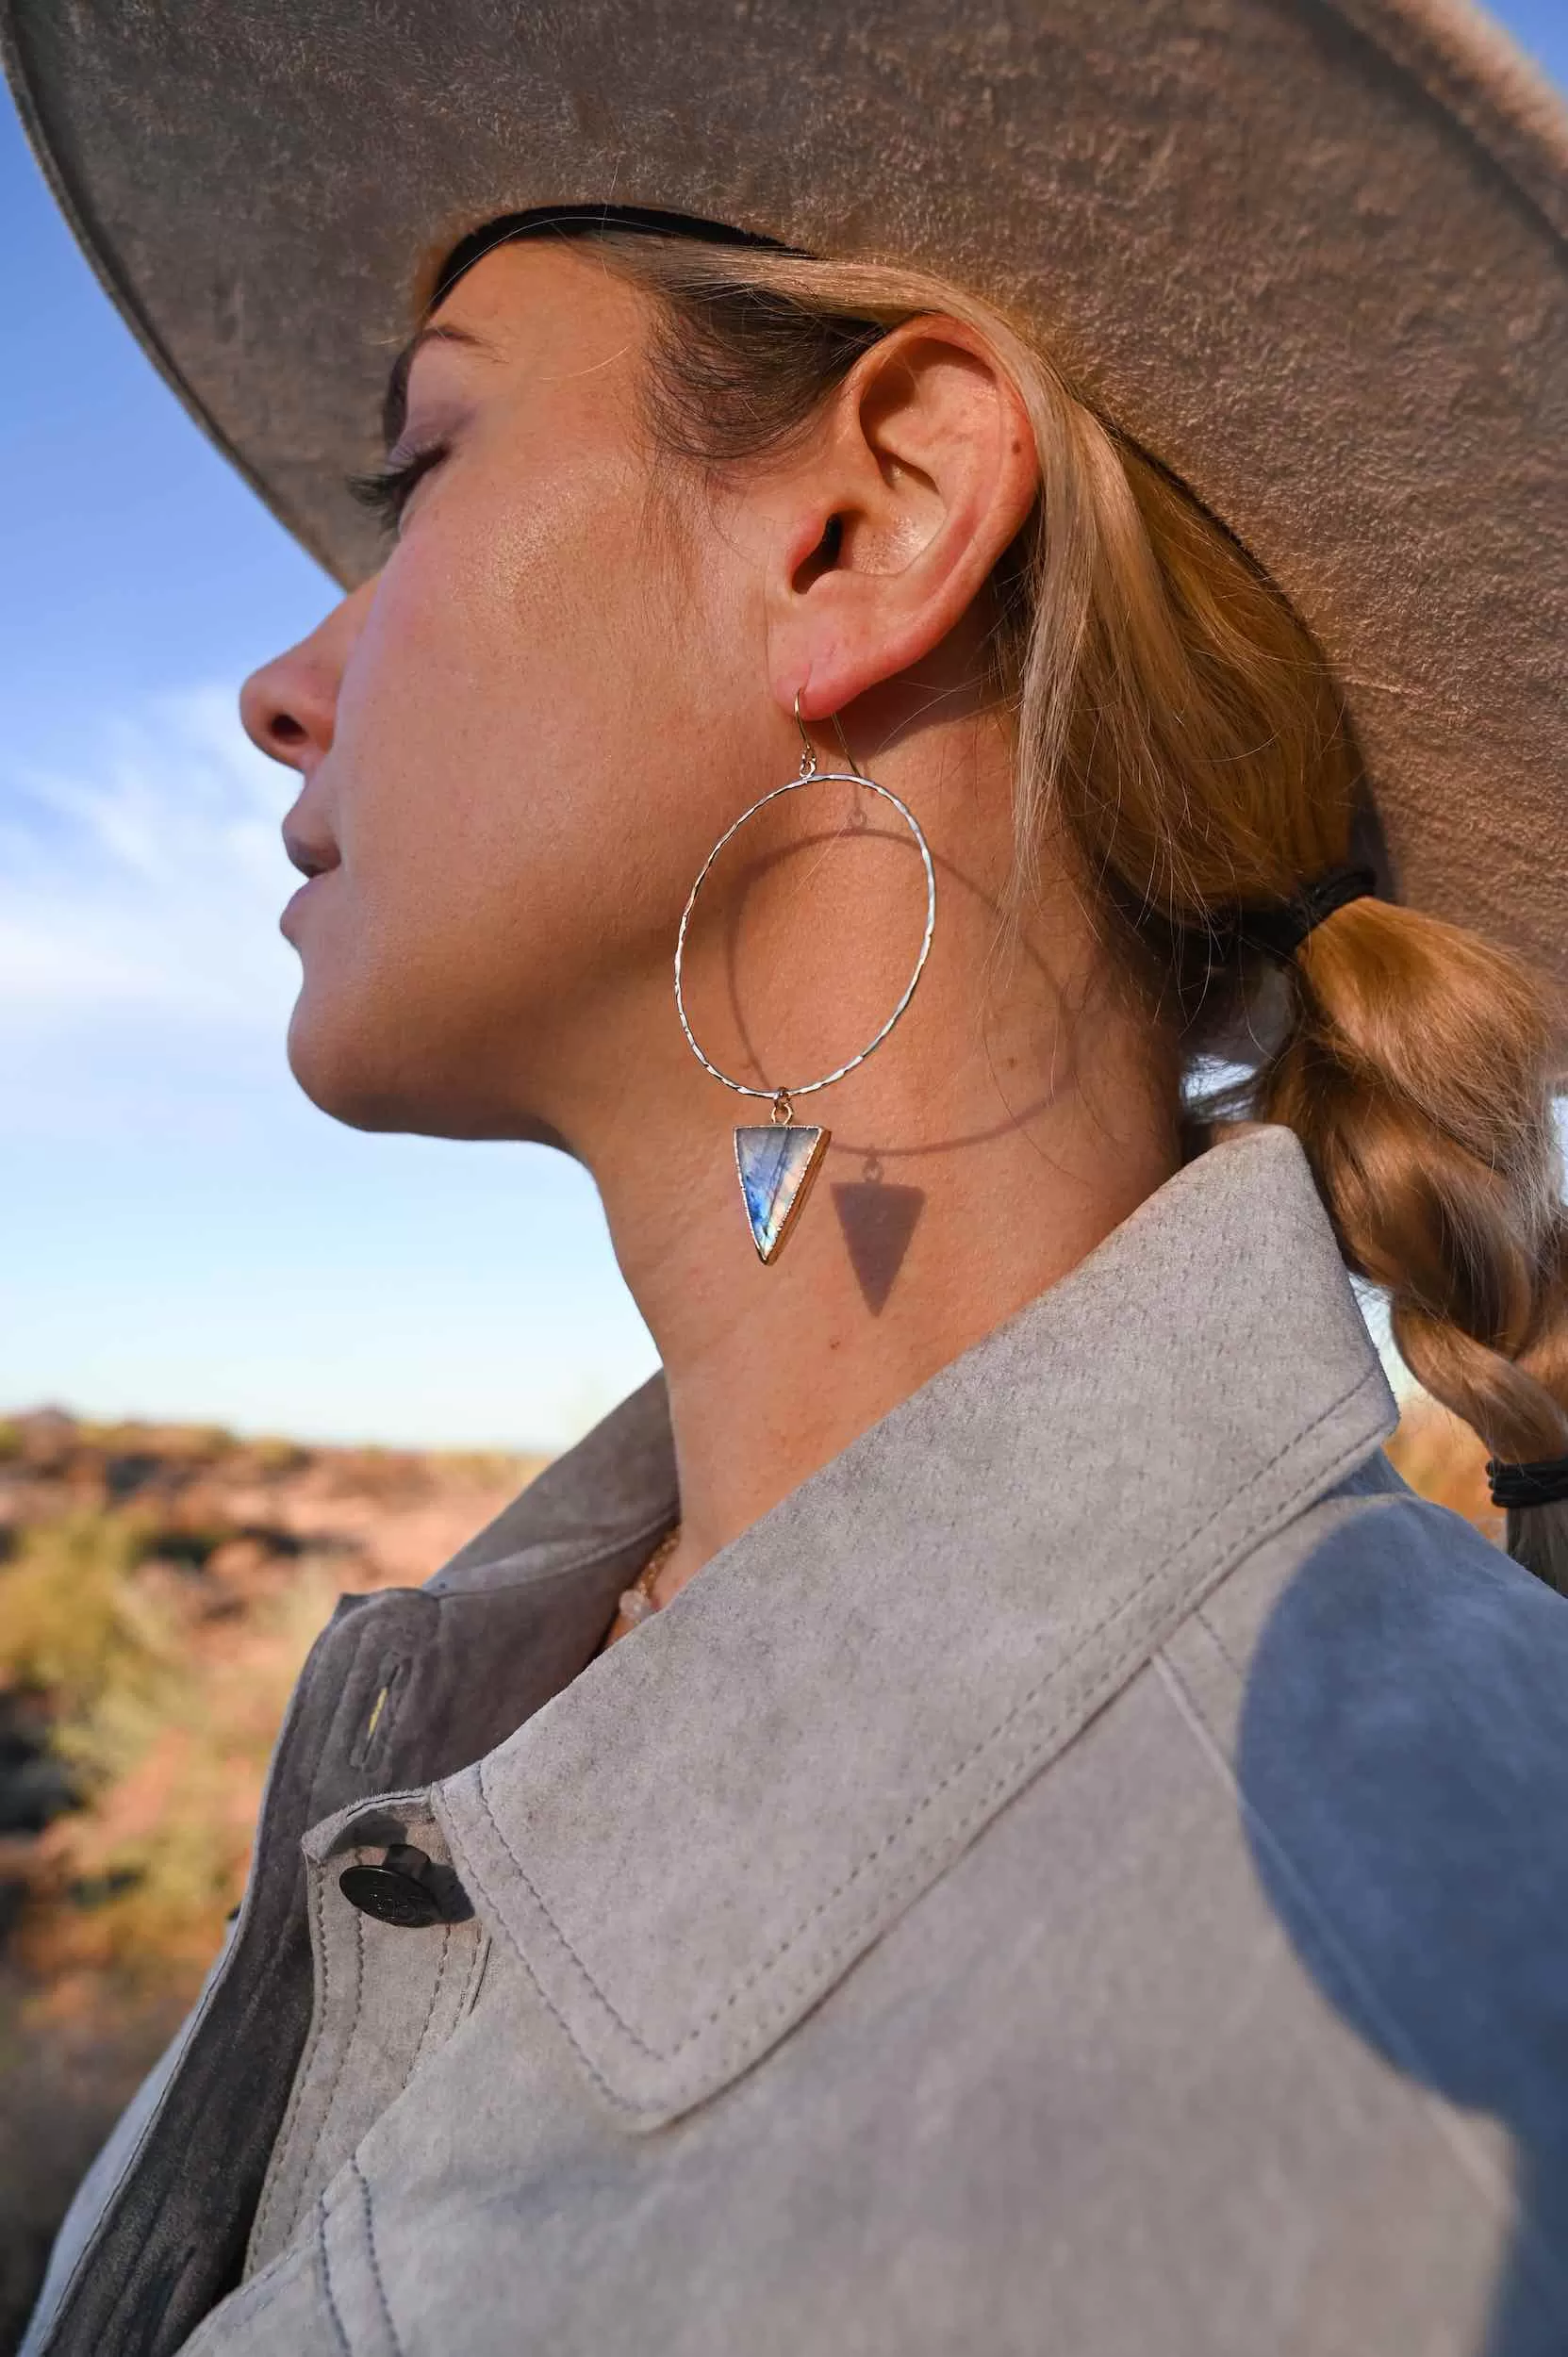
{"type": "Point", "coordinates": [808, 759]}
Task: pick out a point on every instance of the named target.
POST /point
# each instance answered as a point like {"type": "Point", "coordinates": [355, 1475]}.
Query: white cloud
{"type": "Point", "coordinates": [147, 881]}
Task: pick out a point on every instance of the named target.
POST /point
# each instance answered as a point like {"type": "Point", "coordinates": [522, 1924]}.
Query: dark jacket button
{"type": "Point", "coordinates": [395, 1891]}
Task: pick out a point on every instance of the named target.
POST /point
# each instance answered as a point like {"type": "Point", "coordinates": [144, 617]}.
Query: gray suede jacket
{"type": "Point", "coordinates": [1087, 1874]}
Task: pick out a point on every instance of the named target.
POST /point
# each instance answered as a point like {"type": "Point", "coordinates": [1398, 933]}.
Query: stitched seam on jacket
{"type": "Point", "coordinates": [301, 2076]}
{"type": "Point", "coordinates": [612, 2095]}
{"type": "Point", "coordinates": [913, 1874]}
{"type": "Point", "coordinates": [361, 2182]}
{"type": "Point", "coordinates": [1451, 2124]}
{"type": "Point", "coordinates": [350, 2027]}
{"type": "Point", "coordinates": [326, 2281]}
{"type": "Point", "coordinates": [434, 1999]}
{"type": "Point", "coordinates": [1114, 1672]}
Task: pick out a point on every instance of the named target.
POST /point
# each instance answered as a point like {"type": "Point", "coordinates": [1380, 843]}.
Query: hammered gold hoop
{"type": "Point", "coordinates": [783, 1095]}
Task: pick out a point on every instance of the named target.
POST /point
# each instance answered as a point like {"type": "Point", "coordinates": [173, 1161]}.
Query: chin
{"type": "Point", "coordinates": [342, 1080]}
{"type": "Point", "coordinates": [348, 1073]}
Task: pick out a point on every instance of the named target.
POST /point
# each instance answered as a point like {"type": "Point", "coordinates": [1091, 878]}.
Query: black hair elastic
{"type": "Point", "coordinates": [1278, 929]}
{"type": "Point", "coordinates": [1543, 1483]}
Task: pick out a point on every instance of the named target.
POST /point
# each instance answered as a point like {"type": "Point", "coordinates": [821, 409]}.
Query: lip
{"type": "Point", "coordinates": [289, 921]}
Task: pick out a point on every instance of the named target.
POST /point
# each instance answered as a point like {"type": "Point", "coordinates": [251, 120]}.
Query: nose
{"type": "Point", "coordinates": [289, 708]}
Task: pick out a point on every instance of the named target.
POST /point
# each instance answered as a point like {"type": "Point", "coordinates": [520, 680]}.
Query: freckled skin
{"type": "Point", "coordinates": [516, 746]}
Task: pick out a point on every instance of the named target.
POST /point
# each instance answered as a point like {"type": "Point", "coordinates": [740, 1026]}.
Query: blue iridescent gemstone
{"type": "Point", "coordinates": [777, 1163]}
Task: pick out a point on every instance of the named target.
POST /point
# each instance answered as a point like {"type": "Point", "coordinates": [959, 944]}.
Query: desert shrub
{"type": "Point", "coordinates": [163, 1721]}
{"type": "Point", "coordinates": [74, 1623]}
{"type": "Point", "coordinates": [273, 1457]}
{"type": "Point", "coordinates": [166, 1739]}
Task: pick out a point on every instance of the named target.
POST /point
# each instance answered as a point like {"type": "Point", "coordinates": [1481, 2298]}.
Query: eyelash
{"type": "Point", "coordinates": [388, 490]}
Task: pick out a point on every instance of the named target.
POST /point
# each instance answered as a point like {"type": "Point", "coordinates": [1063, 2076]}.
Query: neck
{"type": "Point", "coordinates": [1014, 1117]}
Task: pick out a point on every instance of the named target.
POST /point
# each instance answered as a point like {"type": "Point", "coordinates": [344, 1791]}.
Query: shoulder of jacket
{"type": "Point", "coordinates": [1421, 1620]}
{"type": "Point", "coordinates": [1403, 1767]}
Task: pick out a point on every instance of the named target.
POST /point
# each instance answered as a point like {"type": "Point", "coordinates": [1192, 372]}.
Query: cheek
{"type": "Point", "coordinates": [519, 776]}
{"type": "Point", "coordinates": [492, 697]}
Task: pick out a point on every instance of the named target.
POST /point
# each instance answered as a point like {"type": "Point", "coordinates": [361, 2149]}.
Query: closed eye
{"type": "Point", "coordinates": [388, 490]}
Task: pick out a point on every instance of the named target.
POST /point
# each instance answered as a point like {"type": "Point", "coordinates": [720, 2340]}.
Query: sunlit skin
{"type": "Point", "coordinates": [517, 745]}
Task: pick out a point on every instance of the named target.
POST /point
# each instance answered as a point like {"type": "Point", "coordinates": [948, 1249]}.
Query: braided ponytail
{"type": "Point", "coordinates": [1415, 1071]}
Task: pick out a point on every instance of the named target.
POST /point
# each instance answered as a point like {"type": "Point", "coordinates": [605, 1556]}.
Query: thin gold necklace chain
{"type": "Point", "coordinates": [639, 1602]}
{"type": "Point", "coordinates": [648, 1576]}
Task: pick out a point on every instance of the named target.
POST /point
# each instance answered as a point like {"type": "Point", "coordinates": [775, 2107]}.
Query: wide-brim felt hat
{"type": "Point", "coordinates": [1313, 255]}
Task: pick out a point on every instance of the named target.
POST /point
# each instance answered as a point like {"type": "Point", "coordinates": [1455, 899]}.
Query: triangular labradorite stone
{"type": "Point", "coordinates": [776, 1164]}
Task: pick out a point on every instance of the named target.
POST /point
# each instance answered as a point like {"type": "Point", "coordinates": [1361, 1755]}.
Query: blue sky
{"type": "Point", "coordinates": [185, 1236]}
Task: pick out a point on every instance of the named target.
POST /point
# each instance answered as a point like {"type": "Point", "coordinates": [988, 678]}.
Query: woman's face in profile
{"type": "Point", "coordinates": [518, 741]}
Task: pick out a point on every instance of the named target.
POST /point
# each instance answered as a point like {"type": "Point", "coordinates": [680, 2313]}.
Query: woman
{"type": "Point", "coordinates": [977, 1813]}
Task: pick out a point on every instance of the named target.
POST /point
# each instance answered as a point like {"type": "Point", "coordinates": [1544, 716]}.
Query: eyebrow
{"type": "Point", "coordinates": [394, 406]}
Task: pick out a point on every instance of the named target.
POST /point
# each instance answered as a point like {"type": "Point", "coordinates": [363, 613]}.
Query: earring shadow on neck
{"type": "Point", "coordinates": [878, 1221]}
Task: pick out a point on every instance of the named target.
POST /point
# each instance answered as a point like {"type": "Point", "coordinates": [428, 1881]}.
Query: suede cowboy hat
{"type": "Point", "coordinates": [1313, 255]}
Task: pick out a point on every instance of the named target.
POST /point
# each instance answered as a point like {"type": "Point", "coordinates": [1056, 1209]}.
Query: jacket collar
{"type": "Point", "coordinates": [700, 1833]}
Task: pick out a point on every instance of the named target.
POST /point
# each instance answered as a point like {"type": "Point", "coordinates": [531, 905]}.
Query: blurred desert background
{"type": "Point", "coordinates": [159, 1587]}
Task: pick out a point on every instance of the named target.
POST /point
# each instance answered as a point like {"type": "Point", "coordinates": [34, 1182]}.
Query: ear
{"type": "Point", "coordinates": [894, 514]}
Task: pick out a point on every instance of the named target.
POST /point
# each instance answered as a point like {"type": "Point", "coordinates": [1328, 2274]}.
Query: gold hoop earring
{"type": "Point", "coordinates": [777, 1160]}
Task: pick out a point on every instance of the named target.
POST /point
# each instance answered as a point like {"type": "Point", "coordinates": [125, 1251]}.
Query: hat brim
{"type": "Point", "coordinates": [1313, 256]}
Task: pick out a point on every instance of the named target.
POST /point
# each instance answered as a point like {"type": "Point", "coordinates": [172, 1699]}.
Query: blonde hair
{"type": "Point", "coordinates": [1176, 715]}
